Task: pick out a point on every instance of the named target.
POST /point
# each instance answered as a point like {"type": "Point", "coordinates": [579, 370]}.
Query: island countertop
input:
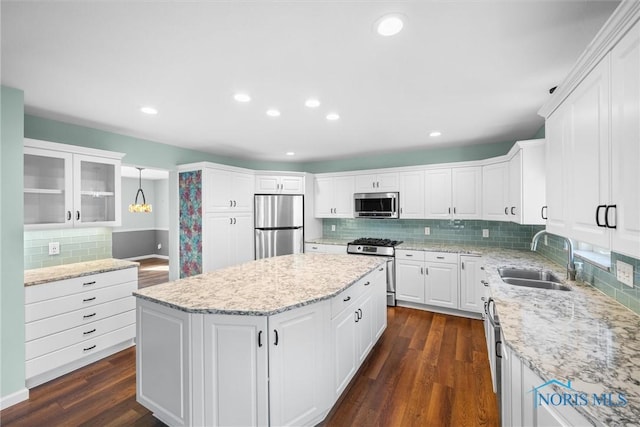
{"type": "Point", "coordinates": [266, 286]}
{"type": "Point", "coordinates": [39, 276]}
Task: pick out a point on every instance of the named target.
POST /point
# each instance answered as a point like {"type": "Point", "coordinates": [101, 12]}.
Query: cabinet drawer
{"type": "Point", "coordinates": [441, 257]}
{"type": "Point", "coordinates": [72, 353]}
{"type": "Point", "coordinates": [54, 307]}
{"type": "Point", "coordinates": [49, 343]}
{"type": "Point", "coordinates": [347, 297]}
{"type": "Point", "coordinates": [52, 325]}
{"type": "Point", "coordinates": [410, 255]}
{"type": "Point", "coordinates": [61, 288]}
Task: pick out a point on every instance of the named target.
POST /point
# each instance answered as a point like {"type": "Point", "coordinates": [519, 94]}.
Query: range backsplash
{"type": "Point", "coordinates": [76, 245]}
{"type": "Point", "coordinates": [501, 234]}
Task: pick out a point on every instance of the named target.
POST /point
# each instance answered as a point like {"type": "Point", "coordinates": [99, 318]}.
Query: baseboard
{"type": "Point", "coordinates": [138, 258]}
{"type": "Point", "coordinates": [13, 398]}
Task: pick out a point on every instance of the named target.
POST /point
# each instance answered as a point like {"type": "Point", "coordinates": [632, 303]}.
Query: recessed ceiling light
{"type": "Point", "coordinates": [290, 153]}
{"type": "Point", "coordinates": [242, 97]}
{"type": "Point", "coordinates": [389, 25]}
{"type": "Point", "coordinates": [333, 116]}
{"type": "Point", "coordinates": [435, 133]}
{"type": "Point", "coordinates": [149, 110]}
{"type": "Point", "coordinates": [312, 103]}
{"type": "Point", "coordinates": [272, 112]}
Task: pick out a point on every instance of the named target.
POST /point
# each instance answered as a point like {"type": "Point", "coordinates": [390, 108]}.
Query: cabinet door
{"type": "Point", "coordinates": [299, 358]}
{"type": "Point", "coordinates": [366, 183]}
{"type": "Point", "coordinates": [235, 370]}
{"type": "Point", "coordinates": [588, 160]}
{"type": "Point", "coordinates": [217, 190]}
{"type": "Point", "coordinates": [343, 196]}
{"type": "Point", "coordinates": [467, 192]}
{"type": "Point", "coordinates": [412, 194]}
{"type": "Point", "coordinates": [533, 180]}
{"type": "Point", "coordinates": [292, 185]}
{"type": "Point", "coordinates": [48, 188]}
{"type": "Point", "coordinates": [324, 198]}
{"type": "Point", "coordinates": [495, 186]}
{"type": "Point", "coordinates": [242, 191]}
{"type": "Point", "coordinates": [437, 190]}
{"type": "Point", "coordinates": [441, 284]}
{"type": "Point", "coordinates": [267, 184]}
{"type": "Point", "coordinates": [344, 349]}
{"type": "Point", "coordinates": [471, 287]}
{"type": "Point", "coordinates": [515, 188]}
{"type": "Point", "coordinates": [410, 281]}
{"type": "Point", "coordinates": [387, 182]}
{"type": "Point", "coordinates": [364, 326]}
{"type": "Point", "coordinates": [97, 187]}
{"type": "Point", "coordinates": [557, 133]}
{"type": "Point", "coordinates": [242, 238]}
{"type": "Point", "coordinates": [216, 238]}
{"type": "Point", "coordinates": [379, 284]}
{"type": "Point", "coordinates": [625, 148]}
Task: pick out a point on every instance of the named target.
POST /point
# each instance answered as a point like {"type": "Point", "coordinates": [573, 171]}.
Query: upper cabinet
{"type": "Point", "coordinates": [228, 191]}
{"type": "Point", "coordinates": [334, 196]}
{"type": "Point", "coordinates": [412, 194]}
{"type": "Point", "coordinates": [453, 193]}
{"type": "Point", "coordinates": [279, 184]}
{"type": "Point", "coordinates": [69, 186]}
{"type": "Point", "coordinates": [592, 136]}
{"type": "Point", "coordinates": [495, 191]}
{"type": "Point", "coordinates": [377, 182]}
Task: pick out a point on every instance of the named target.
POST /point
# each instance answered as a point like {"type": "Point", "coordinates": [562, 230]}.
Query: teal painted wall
{"type": "Point", "coordinates": [12, 373]}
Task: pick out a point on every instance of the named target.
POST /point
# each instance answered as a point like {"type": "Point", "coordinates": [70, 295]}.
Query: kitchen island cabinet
{"type": "Point", "coordinates": [253, 344]}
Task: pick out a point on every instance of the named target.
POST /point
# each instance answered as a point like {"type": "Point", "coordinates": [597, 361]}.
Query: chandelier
{"type": "Point", "coordinates": [136, 207]}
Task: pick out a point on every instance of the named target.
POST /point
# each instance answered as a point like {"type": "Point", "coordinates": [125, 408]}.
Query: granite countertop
{"type": "Point", "coordinates": [450, 248]}
{"type": "Point", "coordinates": [266, 286]}
{"type": "Point", "coordinates": [328, 241]}
{"type": "Point", "coordinates": [38, 276]}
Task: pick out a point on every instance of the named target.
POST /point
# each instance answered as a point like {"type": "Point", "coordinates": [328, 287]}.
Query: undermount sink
{"type": "Point", "coordinates": [539, 279]}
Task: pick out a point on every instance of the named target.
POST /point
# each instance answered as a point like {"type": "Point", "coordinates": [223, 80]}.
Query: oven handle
{"type": "Point", "coordinates": [491, 312]}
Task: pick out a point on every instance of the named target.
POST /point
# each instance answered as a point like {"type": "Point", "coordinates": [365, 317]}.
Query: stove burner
{"type": "Point", "coordinates": [368, 241]}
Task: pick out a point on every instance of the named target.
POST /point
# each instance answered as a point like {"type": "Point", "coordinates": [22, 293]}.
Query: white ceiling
{"type": "Point", "coordinates": [475, 70]}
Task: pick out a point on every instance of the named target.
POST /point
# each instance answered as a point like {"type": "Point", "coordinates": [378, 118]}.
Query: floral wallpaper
{"type": "Point", "coordinates": [190, 188]}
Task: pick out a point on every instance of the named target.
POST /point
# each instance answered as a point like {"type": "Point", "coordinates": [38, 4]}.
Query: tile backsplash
{"type": "Point", "coordinates": [601, 279]}
{"type": "Point", "coordinates": [76, 245]}
{"type": "Point", "coordinates": [501, 234]}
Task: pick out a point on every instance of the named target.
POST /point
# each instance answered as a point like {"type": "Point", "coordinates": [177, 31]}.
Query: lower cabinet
{"type": "Point", "coordinates": [236, 370]}
{"type": "Point", "coordinates": [227, 240]}
{"type": "Point", "coordinates": [472, 279]}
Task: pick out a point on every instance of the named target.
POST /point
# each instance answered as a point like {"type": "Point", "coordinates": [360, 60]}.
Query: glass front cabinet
{"type": "Point", "coordinates": [69, 186]}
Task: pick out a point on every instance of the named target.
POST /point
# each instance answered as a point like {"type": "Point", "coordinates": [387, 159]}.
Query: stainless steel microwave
{"type": "Point", "coordinates": [376, 205]}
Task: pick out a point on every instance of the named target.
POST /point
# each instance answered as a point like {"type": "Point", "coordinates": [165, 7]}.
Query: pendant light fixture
{"type": "Point", "coordinates": [137, 207]}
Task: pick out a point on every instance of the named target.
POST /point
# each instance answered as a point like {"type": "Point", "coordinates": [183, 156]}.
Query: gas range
{"type": "Point", "coordinates": [371, 246]}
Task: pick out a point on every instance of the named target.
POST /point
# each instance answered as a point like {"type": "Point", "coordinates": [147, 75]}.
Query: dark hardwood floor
{"type": "Point", "coordinates": [427, 370]}
{"type": "Point", "coordinates": [152, 271]}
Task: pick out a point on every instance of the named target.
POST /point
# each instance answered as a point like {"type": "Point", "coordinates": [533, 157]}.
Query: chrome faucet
{"type": "Point", "coordinates": [571, 267]}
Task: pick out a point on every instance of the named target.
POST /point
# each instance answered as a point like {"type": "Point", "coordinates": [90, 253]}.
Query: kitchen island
{"type": "Point", "coordinates": [269, 342]}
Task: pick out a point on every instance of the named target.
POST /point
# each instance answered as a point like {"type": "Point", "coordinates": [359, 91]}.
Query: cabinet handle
{"type": "Point", "coordinates": [235, 220]}
{"type": "Point", "coordinates": [89, 283]}
{"type": "Point", "coordinates": [89, 348]}
{"type": "Point", "coordinates": [367, 284]}
{"type": "Point", "coordinates": [360, 313]}
{"type": "Point", "coordinates": [275, 331]}
{"type": "Point", "coordinates": [482, 268]}
{"type": "Point", "coordinates": [347, 299]}
{"type": "Point", "coordinates": [259, 338]}
{"type": "Point", "coordinates": [68, 215]}
{"type": "Point", "coordinates": [421, 270]}
{"type": "Point", "coordinates": [542, 212]}
{"type": "Point", "coordinates": [314, 247]}
{"type": "Point", "coordinates": [409, 255]}
{"type": "Point", "coordinates": [89, 332]}
{"type": "Point", "coordinates": [400, 210]}
{"type": "Point", "coordinates": [234, 204]}
{"type": "Point", "coordinates": [377, 184]}
{"type": "Point", "coordinates": [77, 215]}
{"type": "Point", "coordinates": [86, 316]}
{"type": "Point", "coordinates": [440, 257]}
{"type": "Point", "coordinates": [357, 318]}
{"type": "Point", "coordinates": [88, 299]}
{"type": "Point", "coordinates": [462, 265]}
{"type": "Point", "coordinates": [454, 210]}
{"type": "Point", "coordinates": [483, 298]}
{"type": "Point", "coordinates": [484, 282]}
{"type": "Point", "coordinates": [598, 223]}
{"type": "Point", "coordinates": [230, 203]}
{"type": "Point", "coordinates": [230, 221]}
{"type": "Point", "coordinates": [512, 210]}
{"type": "Point", "coordinates": [498, 353]}
{"type": "Point", "coordinates": [449, 210]}
{"type": "Point", "coordinates": [606, 216]}
{"type": "Point", "coordinates": [426, 271]}
{"type": "Point", "coordinates": [381, 268]}
{"type": "Point", "coordinates": [506, 210]}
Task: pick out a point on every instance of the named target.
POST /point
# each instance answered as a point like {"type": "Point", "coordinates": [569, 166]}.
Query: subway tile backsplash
{"type": "Point", "coordinates": [76, 245]}
{"type": "Point", "coordinates": [501, 234]}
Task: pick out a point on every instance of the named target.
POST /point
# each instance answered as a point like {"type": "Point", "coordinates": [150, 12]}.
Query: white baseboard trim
{"type": "Point", "coordinates": [137, 258]}
{"type": "Point", "coordinates": [13, 398]}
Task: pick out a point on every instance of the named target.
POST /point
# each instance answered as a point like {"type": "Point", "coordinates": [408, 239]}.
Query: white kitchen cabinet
{"type": "Point", "coordinates": [325, 248]}
{"type": "Point", "coordinates": [279, 184]}
{"type": "Point", "coordinates": [495, 191]}
{"type": "Point", "coordinates": [227, 240]}
{"type": "Point", "coordinates": [344, 354]}
{"type": "Point", "coordinates": [379, 291]}
{"type": "Point", "coordinates": [453, 193]}
{"type": "Point", "coordinates": [334, 196]}
{"type": "Point", "coordinates": [410, 281]}
{"type": "Point", "coordinates": [377, 182]}
{"type": "Point", "coordinates": [299, 357]}
{"type": "Point", "coordinates": [625, 146]}
{"type": "Point", "coordinates": [441, 284]}
{"type": "Point", "coordinates": [527, 180]}
{"type": "Point", "coordinates": [557, 129]}
{"type": "Point", "coordinates": [71, 323]}
{"type": "Point", "coordinates": [412, 194]}
{"type": "Point", "coordinates": [472, 289]}
{"type": "Point", "coordinates": [67, 186]}
{"type": "Point", "coordinates": [228, 190]}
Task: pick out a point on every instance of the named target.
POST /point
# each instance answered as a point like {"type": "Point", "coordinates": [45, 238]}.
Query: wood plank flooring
{"type": "Point", "coordinates": [427, 370]}
{"type": "Point", "coordinates": [152, 271]}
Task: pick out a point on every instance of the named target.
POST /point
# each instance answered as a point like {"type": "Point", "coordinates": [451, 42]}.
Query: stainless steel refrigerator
{"type": "Point", "coordinates": [279, 224]}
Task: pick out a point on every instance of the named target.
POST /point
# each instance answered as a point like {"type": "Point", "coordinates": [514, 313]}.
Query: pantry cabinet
{"type": "Point", "coordinates": [68, 186]}
{"type": "Point", "coordinates": [334, 196]}
{"type": "Point", "coordinates": [453, 193]}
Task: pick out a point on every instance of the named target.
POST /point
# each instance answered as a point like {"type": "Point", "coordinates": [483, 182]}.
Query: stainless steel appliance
{"type": "Point", "coordinates": [279, 225]}
{"type": "Point", "coordinates": [376, 205]}
{"type": "Point", "coordinates": [493, 334]}
{"type": "Point", "coordinates": [379, 247]}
